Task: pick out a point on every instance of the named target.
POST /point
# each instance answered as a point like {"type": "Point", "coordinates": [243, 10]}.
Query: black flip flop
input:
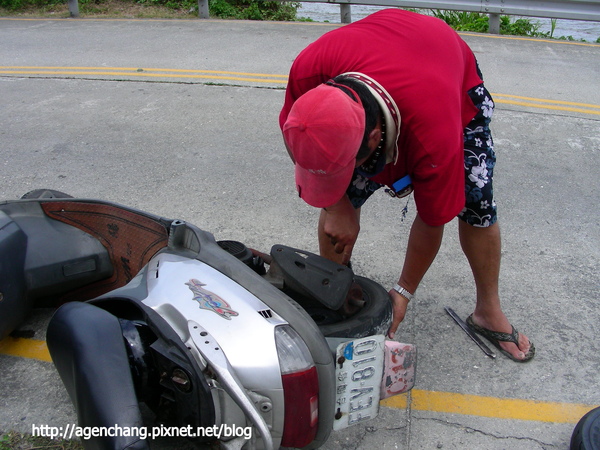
{"type": "Point", "coordinates": [495, 337]}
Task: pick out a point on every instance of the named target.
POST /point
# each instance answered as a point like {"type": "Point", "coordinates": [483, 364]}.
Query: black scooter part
{"type": "Point", "coordinates": [313, 276]}
{"type": "Point", "coordinates": [44, 193]}
{"type": "Point", "coordinates": [14, 306]}
{"type": "Point", "coordinates": [165, 376]}
{"type": "Point", "coordinates": [586, 435]}
{"type": "Point", "coordinates": [244, 254]}
{"type": "Point", "coordinates": [88, 350]}
{"type": "Point", "coordinates": [58, 257]}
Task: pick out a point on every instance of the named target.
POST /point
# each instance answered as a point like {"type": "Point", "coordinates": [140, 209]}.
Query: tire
{"type": "Point", "coordinates": [374, 318]}
{"type": "Point", "coordinates": [586, 435]}
{"type": "Point", "coordinates": [45, 193]}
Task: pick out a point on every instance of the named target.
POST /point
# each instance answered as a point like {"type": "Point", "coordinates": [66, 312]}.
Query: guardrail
{"type": "Point", "coordinates": [553, 9]}
{"type": "Point", "coordinates": [557, 9]}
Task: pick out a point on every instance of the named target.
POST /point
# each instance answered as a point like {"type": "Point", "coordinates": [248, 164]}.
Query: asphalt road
{"type": "Point", "coordinates": [179, 118]}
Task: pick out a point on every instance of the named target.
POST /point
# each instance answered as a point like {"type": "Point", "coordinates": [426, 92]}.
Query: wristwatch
{"type": "Point", "coordinates": [403, 292]}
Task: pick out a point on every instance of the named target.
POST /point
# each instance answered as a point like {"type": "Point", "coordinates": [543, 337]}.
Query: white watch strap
{"type": "Point", "coordinates": [403, 292]}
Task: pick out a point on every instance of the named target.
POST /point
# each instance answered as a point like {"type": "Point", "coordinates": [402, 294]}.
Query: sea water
{"type": "Point", "coordinates": [570, 29]}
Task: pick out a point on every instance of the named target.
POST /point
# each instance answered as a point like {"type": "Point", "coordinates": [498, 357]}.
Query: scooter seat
{"type": "Point", "coordinates": [88, 350]}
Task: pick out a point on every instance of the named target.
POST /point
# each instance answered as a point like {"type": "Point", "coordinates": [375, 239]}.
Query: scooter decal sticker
{"type": "Point", "coordinates": [210, 300]}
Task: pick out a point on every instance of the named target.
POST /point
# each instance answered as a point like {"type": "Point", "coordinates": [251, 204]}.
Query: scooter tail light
{"type": "Point", "coordinates": [300, 388]}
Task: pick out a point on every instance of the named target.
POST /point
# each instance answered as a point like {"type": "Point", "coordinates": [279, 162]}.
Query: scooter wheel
{"type": "Point", "coordinates": [45, 193]}
{"type": "Point", "coordinates": [586, 435]}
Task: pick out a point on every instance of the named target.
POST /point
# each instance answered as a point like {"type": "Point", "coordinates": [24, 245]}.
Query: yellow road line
{"type": "Point", "coordinates": [556, 105]}
{"type": "Point", "coordinates": [417, 400]}
{"type": "Point", "coordinates": [523, 38]}
{"type": "Point", "coordinates": [138, 69]}
{"type": "Point", "coordinates": [499, 408]}
{"type": "Point", "coordinates": [26, 348]}
{"type": "Point", "coordinates": [145, 72]}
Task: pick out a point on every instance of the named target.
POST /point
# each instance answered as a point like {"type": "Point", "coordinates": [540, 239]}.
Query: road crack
{"type": "Point", "coordinates": [541, 444]}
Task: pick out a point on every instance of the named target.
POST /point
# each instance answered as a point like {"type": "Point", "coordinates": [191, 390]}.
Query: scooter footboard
{"type": "Point", "coordinates": [87, 348]}
{"type": "Point", "coordinates": [130, 238]}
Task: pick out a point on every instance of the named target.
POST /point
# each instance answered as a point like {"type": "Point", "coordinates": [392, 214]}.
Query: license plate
{"type": "Point", "coordinates": [399, 369]}
{"type": "Point", "coordinates": [359, 371]}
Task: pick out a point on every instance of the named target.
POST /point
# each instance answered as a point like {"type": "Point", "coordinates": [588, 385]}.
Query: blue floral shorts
{"type": "Point", "coordinates": [480, 159]}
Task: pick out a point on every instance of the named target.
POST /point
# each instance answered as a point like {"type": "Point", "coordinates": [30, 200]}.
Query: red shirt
{"type": "Point", "coordinates": [427, 69]}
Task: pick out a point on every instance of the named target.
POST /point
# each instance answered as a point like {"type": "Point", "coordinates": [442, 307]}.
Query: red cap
{"type": "Point", "coordinates": [323, 131]}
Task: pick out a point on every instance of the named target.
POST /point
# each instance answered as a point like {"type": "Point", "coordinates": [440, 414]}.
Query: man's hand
{"type": "Point", "coordinates": [423, 245]}
{"type": "Point", "coordinates": [399, 305]}
{"type": "Point", "coordinates": [339, 226]}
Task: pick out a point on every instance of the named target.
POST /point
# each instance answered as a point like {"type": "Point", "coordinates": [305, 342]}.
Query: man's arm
{"type": "Point", "coordinates": [339, 226]}
{"type": "Point", "coordinates": [423, 245]}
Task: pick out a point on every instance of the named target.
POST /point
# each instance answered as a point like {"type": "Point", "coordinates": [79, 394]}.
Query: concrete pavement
{"type": "Point", "coordinates": [179, 118]}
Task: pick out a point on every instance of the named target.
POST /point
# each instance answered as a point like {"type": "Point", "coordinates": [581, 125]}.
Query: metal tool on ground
{"type": "Point", "coordinates": [470, 333]}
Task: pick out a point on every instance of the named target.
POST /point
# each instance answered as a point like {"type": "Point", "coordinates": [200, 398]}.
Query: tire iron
{"type": "Point", "coordinates": [470, 333]}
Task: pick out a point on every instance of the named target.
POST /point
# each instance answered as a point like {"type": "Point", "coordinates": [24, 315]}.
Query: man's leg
{"type": "Point", "coordinates": [478, 229]}
{"type": "Point", "coordinates": [481, 246]}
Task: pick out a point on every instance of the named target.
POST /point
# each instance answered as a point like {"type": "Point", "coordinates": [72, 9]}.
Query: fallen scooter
{"type": "Point", "coordinates": [162, 326]}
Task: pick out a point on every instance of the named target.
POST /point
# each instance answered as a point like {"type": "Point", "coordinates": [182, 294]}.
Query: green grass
{"type": "Point", "coordinates": [145, 9]}
{"type": "Point", "coordinates": [13, 440]}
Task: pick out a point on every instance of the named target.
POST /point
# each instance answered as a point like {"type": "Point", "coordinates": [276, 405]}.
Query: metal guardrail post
{"type": "Point", "coordinates": [203, 9]}
{"type": "Point", "coordinates": [73, 8]}
{"type": "Point", "coordinates": [494, 23]}
{"type": "Point", "coordinates": [345, 13]}
{"type": "Point", "coordinates": [493, 8]}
